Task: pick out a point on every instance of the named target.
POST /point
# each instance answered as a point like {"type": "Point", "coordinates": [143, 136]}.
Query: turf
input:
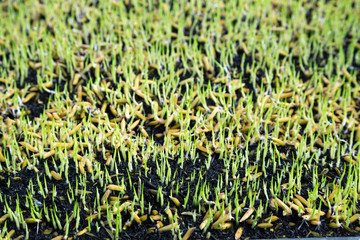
{"type": "Point", "coordinates": [179, 120]}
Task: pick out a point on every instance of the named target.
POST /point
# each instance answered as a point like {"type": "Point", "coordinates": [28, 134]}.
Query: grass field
{"type": "Point", "coordinates": [179, 119]}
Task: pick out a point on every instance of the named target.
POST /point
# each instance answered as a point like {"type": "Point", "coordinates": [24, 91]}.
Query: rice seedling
{"type": "Point", "coordinates": [188, 119]}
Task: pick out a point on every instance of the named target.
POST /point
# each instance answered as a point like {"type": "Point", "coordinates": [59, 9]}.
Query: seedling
{"type": "Point", "coordinates": [225, 112]}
